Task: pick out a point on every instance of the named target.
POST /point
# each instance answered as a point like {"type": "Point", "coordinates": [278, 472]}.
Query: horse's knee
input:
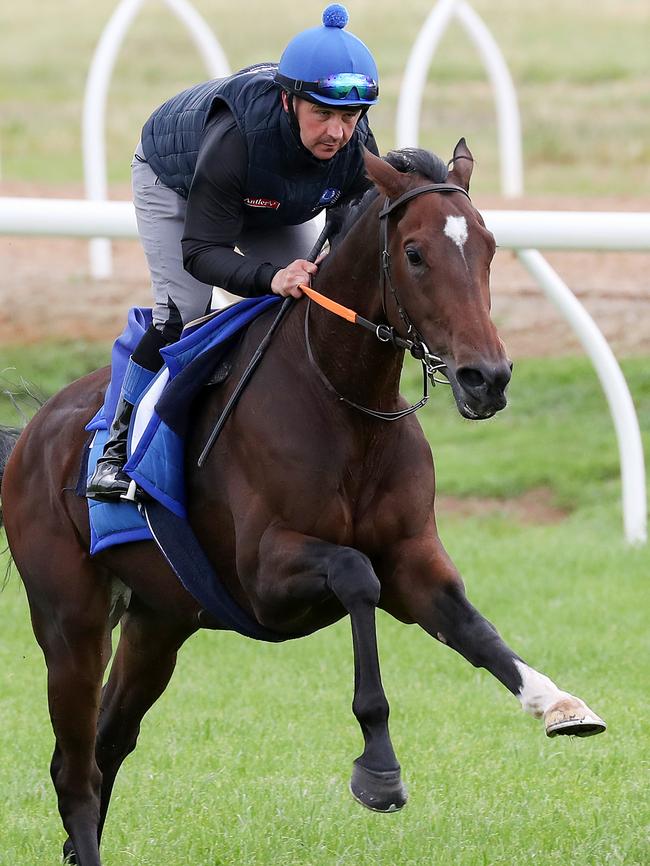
{"type": "Point", "coordinates": [352, 579]}
{"type": "Point", "coordinates": [370, 708]}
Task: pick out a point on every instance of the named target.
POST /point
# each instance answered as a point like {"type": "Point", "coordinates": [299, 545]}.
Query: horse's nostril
{"type": "Point", "coordinates": [470, 378]}
{"type": "Point", "coordinates": [489, 378]}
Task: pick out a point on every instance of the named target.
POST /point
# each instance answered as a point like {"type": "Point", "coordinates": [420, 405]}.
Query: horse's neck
{"type": "Point", "coordinates": [357, 364]}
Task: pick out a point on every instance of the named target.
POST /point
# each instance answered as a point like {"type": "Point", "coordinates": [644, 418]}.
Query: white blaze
{"type": "Point", "coordinates": [537, 692]}
{"type": "Point", "coordinates": [456, 231]}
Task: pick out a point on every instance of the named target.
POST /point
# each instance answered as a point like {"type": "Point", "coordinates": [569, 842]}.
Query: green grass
{"type": "Point", "coordinates": [246, 758]}
{"type": "Point", "coordinates": [582, 79]}
{"type": "Point", "coordinates": [556, 432]}
{"type": "Point", "coordinates": [47, 367]}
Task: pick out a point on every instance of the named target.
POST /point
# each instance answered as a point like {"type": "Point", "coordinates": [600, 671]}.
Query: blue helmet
{"type": "Point", "coordinates": [329, 66]}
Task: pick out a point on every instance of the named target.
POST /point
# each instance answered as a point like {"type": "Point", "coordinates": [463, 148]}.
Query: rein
{"type": "Point", "coordinates": [431, 364]}
{"type": "Point", "coordinates": [384, 334]}
{"type": "Point", "coordinates": [253, 364]}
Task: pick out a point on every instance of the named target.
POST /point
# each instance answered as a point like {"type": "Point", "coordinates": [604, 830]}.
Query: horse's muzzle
{"type": "Point", "coordinates": [480, 389]}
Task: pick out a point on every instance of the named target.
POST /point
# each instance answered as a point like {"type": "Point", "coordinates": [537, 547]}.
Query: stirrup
{"type": "Point", "coordinates": [133, 494]}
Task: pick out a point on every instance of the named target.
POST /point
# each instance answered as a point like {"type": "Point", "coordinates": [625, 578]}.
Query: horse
{"type": "Point", "coordinates": [311, 505]}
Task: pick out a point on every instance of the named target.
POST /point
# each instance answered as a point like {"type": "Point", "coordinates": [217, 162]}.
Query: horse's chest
{"type": "Point", "coordinates": [355, 509]}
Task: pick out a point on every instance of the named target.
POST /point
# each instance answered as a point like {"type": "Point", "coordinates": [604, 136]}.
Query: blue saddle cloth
{"type": "Point", "coordinates": [156, 453]}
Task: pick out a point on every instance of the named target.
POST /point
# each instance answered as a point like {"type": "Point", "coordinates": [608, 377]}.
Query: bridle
{"type": "Point", "coordinates": [385, 333]}
{"type": "Point", "coordinates": [412, 342]}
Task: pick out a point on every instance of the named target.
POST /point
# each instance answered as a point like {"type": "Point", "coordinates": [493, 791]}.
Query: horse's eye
{"type": "Point", "coordinates": [413, 256]}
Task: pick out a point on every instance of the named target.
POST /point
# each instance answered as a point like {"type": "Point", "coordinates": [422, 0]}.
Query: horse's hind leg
{"type": "Point", "coordinates": [467, 631]}
{"type": "Point", "coordinates": [74, 636]}
{"type": "Point", "coordinates": [143, 665]}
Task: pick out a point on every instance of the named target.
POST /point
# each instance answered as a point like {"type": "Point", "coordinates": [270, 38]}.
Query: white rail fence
{"type": "Point", "coordinates": [100, 219]}
{"type": "Point", "coordinates": [514, 229]}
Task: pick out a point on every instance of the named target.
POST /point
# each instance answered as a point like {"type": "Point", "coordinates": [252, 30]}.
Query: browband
{"type": "Point", "coordinates": [389, 206]}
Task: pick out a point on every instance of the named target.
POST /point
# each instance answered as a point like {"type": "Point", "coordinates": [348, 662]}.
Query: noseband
{"type": "Point", "coordinates": [413, 342]}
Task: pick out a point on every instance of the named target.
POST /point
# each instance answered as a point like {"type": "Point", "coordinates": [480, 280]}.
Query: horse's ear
{"type": "Point", "coordinates": [462, 165]}
{"type": "Point", "coordinates": [387, 179]}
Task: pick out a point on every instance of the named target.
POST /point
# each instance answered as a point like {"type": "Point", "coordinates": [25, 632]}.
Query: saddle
{"type": "Point", "coordinates": [202, 357]}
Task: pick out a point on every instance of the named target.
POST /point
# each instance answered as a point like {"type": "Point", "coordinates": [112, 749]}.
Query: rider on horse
{"type": "Point", "coordinates": [246, 161]}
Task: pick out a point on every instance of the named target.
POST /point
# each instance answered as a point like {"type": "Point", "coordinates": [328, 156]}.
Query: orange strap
{"type": "Point", "coordinates": [329, 304]}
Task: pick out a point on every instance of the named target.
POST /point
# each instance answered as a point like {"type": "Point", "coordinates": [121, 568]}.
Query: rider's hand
{"type": "Point", "coordinates": [287, 280]}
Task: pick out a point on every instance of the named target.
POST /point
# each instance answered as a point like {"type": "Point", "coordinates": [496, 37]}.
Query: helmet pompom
{"type": "Point", "coordinates": [335, 16]}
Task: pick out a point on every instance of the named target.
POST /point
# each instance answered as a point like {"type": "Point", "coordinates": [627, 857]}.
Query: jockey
{"type": "Point", "coordinates": [246, 161]}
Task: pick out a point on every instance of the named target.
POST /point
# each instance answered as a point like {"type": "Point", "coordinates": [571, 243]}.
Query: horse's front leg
{"type": "Point", "coordinates": [426, 588]}
{"type": "Point", "coordinates": [376, 779]}
{"type": "Point", "coordinates": [305, 570]}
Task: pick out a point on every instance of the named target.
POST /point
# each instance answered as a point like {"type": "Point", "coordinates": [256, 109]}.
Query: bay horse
{"type": "Point", "coordinates": [308, 508]}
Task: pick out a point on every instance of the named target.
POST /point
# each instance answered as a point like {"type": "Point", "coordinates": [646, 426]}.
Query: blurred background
{"type": "Point", "coordinates": [582, 73]}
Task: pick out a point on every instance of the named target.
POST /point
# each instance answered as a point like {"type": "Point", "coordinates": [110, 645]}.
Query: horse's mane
{"type": "Point", "coordinates": [409, 160]}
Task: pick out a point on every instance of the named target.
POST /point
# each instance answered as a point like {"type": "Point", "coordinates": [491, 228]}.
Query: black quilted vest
{"type": "Point", "coordinates": [285, 183]}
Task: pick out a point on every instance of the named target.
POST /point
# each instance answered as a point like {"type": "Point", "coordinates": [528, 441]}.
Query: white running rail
{"type": "Point", "coordinates": [513, 229]}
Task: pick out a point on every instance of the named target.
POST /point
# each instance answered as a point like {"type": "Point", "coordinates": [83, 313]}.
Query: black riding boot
{"type": "Point", "coordinates": [109, 483]}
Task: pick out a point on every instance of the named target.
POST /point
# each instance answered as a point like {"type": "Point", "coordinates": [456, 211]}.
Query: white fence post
{"type": "Point", "coordinates": [505, 97]}
{"type": "Point", "coordinates": [95, 95]}
{"type": "Point", "coordinates": [621, 407]}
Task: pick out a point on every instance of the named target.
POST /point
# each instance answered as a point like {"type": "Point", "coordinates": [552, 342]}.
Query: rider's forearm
{"type": "Point", "coordinates": [222, 266]}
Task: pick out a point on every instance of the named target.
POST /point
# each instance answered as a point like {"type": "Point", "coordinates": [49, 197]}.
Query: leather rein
{"type": "Point", "coordinates": [412, 342]}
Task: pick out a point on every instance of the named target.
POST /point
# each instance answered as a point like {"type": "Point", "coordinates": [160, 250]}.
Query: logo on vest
{"type": "Point", "coordinates": [258, 201]}
{"type": "Point", "coordinates": [329, 197]}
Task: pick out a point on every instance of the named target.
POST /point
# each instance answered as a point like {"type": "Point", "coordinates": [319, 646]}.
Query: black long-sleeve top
{"type": "Point", "coordinates": [215, 215]}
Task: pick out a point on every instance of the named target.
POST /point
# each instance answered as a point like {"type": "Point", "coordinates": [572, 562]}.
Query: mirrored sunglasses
{"type": "Point", "coordinates": [340, 86]}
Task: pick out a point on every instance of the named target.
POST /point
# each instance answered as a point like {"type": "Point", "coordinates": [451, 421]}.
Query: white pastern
{"type": "Point", "coordinates": [456, 230]}
{"type": "Point", "coordinates": [537, 692]}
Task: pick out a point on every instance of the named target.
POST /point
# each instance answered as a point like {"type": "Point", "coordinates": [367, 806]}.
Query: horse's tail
{"type": "Point", "coordinates": [25, 399]}
{"type": "Point", "coordinates": [8, 438]}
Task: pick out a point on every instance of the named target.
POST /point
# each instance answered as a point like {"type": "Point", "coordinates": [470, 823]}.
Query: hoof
{"type": "Point", "coordinates": [379, 791]}
{"type": "Point", "coordinates": [572, 717]}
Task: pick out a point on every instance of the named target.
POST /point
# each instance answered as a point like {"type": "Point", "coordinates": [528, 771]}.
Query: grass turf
{"type": "Point", "coordinates": [246, 757]}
